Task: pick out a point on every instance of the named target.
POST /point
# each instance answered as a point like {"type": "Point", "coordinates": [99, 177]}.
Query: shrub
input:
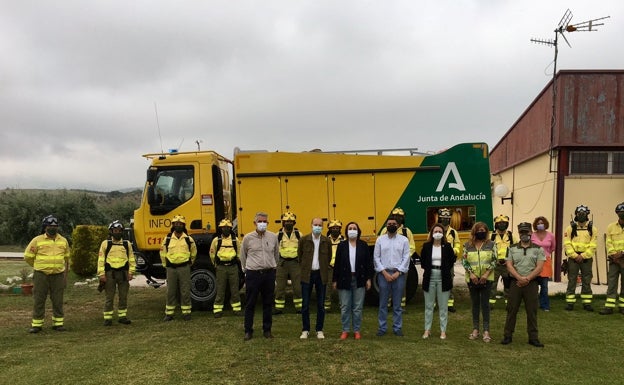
{"type": "Point", "coordinates": [86, 244]}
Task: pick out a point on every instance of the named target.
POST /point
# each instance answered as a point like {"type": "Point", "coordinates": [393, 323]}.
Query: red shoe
{"type": "Point", "coordinates": [344, 335]}
{"type": "Point", "coordinates": [358, 335]}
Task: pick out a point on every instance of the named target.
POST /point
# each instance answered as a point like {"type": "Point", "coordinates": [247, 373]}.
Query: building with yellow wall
{"type": "Point", "coordinates": [545, 166]}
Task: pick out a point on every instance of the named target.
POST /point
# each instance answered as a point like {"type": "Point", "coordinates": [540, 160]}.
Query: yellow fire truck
{"type": "Point", "coordinates": [361, 186]}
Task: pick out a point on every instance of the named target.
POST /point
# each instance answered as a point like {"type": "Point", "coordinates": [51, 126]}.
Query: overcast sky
{"type": "Point", "coordinates": [79, 80]}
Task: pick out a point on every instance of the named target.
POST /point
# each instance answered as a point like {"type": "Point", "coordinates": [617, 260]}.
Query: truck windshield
{"type": "Point", "coordinates": [172, 187]}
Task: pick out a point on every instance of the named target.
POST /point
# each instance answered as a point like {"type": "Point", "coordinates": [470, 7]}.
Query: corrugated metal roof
{"type": "Point", "coordinates": [589, 111]}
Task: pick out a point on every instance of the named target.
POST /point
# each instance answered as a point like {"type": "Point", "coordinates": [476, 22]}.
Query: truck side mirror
{"type": "Point", "coordinates": [151, 174]}
{"type": "Point", "coordinates": [151, 197]}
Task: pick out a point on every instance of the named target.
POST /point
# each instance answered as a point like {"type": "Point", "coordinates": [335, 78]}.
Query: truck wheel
{"type": "Point", "coordinates": [203, 289]}
{"type": "Point", "coordinates": [372, 296]}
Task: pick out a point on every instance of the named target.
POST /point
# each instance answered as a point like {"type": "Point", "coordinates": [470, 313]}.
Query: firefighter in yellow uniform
{"type": "Point", "coordinates": [178, 252]}
{"type": "Point", "coordinates": [399, 214]}
{"type": "Point", "coordinates": [579, 243]}
{"type": "Point", "coordinates": [503, 239]}
{"type": "Point", "coordinates": [116, 267]}
{"type": "Point", "coordinates": [335, 237]}
{"type": "Point", "coordinates": [615, 255]}
{"type": "Point", "coordinates": [288, 266]}
{"type": "Point", "coordinates": [452, 237]}
{"type": "Point", "coordinates": [224, 256]}
{"type": "Point", "coordinates": [48, 254]}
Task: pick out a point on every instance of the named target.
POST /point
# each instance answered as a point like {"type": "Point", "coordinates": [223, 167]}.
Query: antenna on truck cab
{"type": "Point", "coordinates": [158, 125]}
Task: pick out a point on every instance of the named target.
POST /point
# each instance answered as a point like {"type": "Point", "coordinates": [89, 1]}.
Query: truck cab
{"type": "Point", "coordinates": [193, 184]}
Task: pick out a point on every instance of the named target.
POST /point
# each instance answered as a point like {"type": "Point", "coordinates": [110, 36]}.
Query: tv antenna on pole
{"type": "Point", "coordinates": [563, 27]}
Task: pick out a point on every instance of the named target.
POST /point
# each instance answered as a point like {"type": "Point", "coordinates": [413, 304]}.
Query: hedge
{"type": "Point", "coordinates": [86, 244]}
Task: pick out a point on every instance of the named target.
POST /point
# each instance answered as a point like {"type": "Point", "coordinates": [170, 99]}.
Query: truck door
{"type": "Point", "coordinates": [306, 196]}
{"type": "Point", "coordinates": [351, 198]}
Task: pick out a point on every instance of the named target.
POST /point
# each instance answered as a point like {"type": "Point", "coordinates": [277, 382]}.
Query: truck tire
{"type": "Point", "coordinates": [203, 289]}
{"type": "Point", "coordinates": [411, 285]}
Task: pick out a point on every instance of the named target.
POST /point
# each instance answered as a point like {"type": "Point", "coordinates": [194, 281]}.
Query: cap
{"type": "Point", "coordinates": [334, 223]}
{"type": "Point", "coordinates": [179, 218]}
{"type": "Point", "coordinates": [524, 227]}
{"type": "Point", "coordinates": [288, 216]}
{"type": "Point", "coordinates": [398, 211]}
{"type": "Point", "coordinates": [444, 213]}
{"type": "Point", "coordinates": [225, 223]}
{"type": "Point", "coordinates": [501, 218]}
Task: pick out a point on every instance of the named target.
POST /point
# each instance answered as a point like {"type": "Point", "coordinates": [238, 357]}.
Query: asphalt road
{"type": "Point", "coordinates": [553, 287]}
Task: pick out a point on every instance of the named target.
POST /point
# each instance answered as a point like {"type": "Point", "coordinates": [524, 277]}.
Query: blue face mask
{"type": "Point", "coordinates": [317, 229]}
{"type": "Point", "coordinates": [541, 227]}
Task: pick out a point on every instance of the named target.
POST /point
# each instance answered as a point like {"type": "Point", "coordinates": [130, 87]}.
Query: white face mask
{"type": "Point", "coordinates": [437, 236]}
{"type": "Point", "coordinates": [352, 234]}
{"type": "Point", "coordinates": [261, 226]}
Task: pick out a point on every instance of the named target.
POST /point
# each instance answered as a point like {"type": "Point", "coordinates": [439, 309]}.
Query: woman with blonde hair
{"type": "Point", "coordinates": [479, 260]}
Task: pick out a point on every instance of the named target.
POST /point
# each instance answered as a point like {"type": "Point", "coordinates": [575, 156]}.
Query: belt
{"type": "Point", "coordinates": [353, 274]}
{"type": "Point", "coordinates": [262, 271]}
{"type": "Point", "coordinates": [436, 267]}
{"type": "Point", "coordinates": [176, 265]}
{"type": "Point", "coordinates": [288, 259]}
{"type": "Point", "coordinates": [226, 263]}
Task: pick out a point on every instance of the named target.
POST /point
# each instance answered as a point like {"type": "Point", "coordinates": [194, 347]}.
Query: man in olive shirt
{"type": "Point", "coordinates": [259, 255]}
{"type": "Point", "coordinates": [524, 264]}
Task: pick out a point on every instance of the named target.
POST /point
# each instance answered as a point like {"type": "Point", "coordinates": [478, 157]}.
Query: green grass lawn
{"type": "Point", "coordinates": [581, 348]}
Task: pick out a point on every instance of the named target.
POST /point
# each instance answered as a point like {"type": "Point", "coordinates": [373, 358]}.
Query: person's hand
{"type": "Point", "coordinates": [579, 258]}
{"type": "Point", "coordinates": [130, 277]}
{"type": "Point", "coordinates": [474, 278]}
{"type": "Point", "coordinates": [368, 284]}
{"type": "Point", "coordinates": [483, 280]}
{"type": "Point", "coordinates": [103, 278]}
{"type": "Point", "coordinates": [387, 276]}
{"type": "Point", "coordinates": [334, 285]}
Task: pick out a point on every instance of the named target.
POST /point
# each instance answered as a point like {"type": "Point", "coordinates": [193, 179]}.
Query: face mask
{"type": "Point", "coordinates": [289, 226]}
{"type": "Point", "coordinates": [502, 226]}
{"type": "Point", "coordinates": [581, 218]}
{"type": "Point", "coordinates": [335, 233]}
{"type": "Point", "coordinates": [481, 235]}
{"type": "Point", "coordinates": [226, 231]}
{"type": "Point", "coordinates": [621, 216]}
{"type": "Point", "coordinates": [317, 229]}
{"type": "Point", "coordinates": [391, 229]}
{"type": "Point", "coordinates": [445, 221]}
{"type": "Point", "coordinates": [437, 236]}
{"type": "Point", "coordinates": [525, 237]}
{"type": "Point", "coordinates": [52, 231]}
{"type": "Point", "coordinates": [116, 236]}
{"type": "Point", "coordinates": [541, 227]}
{"type": "Point", "coordinates": [352, 234]}
{"type": "Point", "coordinates": [178, 229]}
{"type": "Point", "coordinates": [261, 226]}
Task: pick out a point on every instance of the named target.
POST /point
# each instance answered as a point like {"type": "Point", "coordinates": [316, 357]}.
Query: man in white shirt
{"type": "Point", "coordinates": [314, 253]}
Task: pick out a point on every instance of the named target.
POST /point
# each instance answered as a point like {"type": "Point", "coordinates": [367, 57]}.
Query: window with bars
{"type": "Point", "coordinates": [597, 162]}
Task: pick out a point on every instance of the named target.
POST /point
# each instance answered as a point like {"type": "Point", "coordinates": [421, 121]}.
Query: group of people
{"type": "Point", "coordinates": [343, 262]}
